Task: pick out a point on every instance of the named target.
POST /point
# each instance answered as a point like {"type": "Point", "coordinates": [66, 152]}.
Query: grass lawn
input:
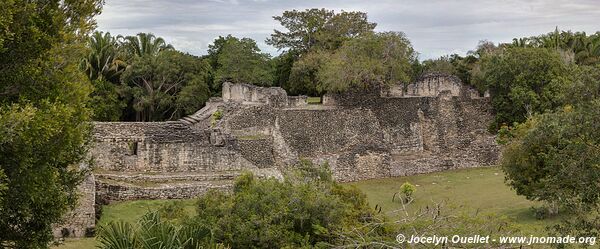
{"type": "Point", "coordinates": [478, 189]}
{"type": "Point", "coordinates": [131, 211]}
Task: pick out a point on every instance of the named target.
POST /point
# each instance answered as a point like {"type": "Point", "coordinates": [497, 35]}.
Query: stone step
{"type": "Point", "coordinates": [201, 114]}
{"type": "Point", "coordinates": [137, 177]}
{"type": "Point", "coordinates": [110, 190]}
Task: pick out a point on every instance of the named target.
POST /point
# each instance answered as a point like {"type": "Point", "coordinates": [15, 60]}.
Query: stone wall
{"type": "Point", "coordinates": [430, 85]}
{"type": "Point", "coordinates": [119, 192]}
{"type": "Point", "coordinates": [80, 222]}
{"type": "Point", "coordinates": [366, 136]}
{"type": "Point", "coordinates": [445, 127]}
{"type": "Point", "coordinates": [163, 147]}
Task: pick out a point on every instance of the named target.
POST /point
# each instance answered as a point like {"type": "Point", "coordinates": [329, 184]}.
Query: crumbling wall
{"type": "Point", "coordinates": [250, 94]}
{"type": "Point", "coordinates": [430, 85]}
{"type": "Point", "coordinates": [163, 147]}
{"type": "Point", "coordinates": [362, 134]}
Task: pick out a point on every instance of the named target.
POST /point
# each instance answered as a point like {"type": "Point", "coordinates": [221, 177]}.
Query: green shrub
{"type": "Point", "coordinates": [407, 190]}
{"type": "Point", "coordinates": [216, 116]}
{"type": "Point", "coordinates": [172, 210]}
{"type": "Point", "coordinates": [306, 209]}
{"type": "Point", "coordinates": [540, 213]}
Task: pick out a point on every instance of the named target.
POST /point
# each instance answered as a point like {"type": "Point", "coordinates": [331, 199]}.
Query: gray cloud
{"type": "Point", "coordinates": [435, 27]}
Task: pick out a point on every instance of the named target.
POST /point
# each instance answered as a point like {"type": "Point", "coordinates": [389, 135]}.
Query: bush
{"type": "Point", "coordinates": [540, 213]}
{"type": "Point", "coordinates": [216, 116]}
{"type": "Point", "coordinates": [172, 210]}
{"type": "Point", "coordinates": [307, 208]}
{"type": "Point", "coordinates": [407, 191]}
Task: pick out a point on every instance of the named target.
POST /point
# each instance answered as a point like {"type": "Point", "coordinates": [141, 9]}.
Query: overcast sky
{"type": "Point", "coordinates": [435, 28]}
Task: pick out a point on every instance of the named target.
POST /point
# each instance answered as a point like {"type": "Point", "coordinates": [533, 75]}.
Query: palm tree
{"type": "Point", "coordinates": [589, 52]}
{"type": "Point", "coordinates": [144, 44]}
{"type": "Point", "coordinates": [521, 42]}
{"type": "Point", "coordinates": [103, 59]}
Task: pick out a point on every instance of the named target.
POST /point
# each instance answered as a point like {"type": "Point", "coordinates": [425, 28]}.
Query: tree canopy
{"type": "Point", "coordinates": [367, 61]}
{"type": "Point", "coordinates": [44, 119]}
{"type": "Point", "coordinates": [318, 28]}
{"type": "Point", "coordinates": [155, 84]}
{"type": "Point", "coordinates": [241, 61]}
{"type": "Point", "coordinates": [524, 81]}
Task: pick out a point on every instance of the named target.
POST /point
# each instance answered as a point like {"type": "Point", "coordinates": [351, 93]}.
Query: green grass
{"type": "Point", "coordinates": [77, 244]}
{"type": "Point", "coordinates": [131, 211]}
{"type": "Point", "coordinates": [478, 189]}
{"type": "Point", "coordinates": [313, 100]}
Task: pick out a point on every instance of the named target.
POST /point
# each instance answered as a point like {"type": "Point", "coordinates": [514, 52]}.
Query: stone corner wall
{"type": "Point", "coordinates": [81, 221]}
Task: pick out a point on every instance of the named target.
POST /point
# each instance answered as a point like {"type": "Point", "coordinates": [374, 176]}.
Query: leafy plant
{"type": "Point", "coordinates": [172, 210]}
{"type": "Point", "coordinates": [216, 116]}
{"type": "Point", "coordinates": [406, 191]}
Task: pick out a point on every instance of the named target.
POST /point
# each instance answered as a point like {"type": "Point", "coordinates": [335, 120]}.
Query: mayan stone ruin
{"type": "Point", "coordinates": [434, 124]}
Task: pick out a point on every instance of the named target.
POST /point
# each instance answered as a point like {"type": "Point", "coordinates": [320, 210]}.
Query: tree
{"type": "Point", "coordinates": [577, 47]}
{"type": "Point", "coordinates": [303, 74]}
{"type": "Point", "coordinates": [282, 66]}
{"type": "Point", "coordinates": [154, 83]}
{"type": "Point", "coordinates": [524, 81]}
{"type": "Point", "coordinates": [240, 61]}
{"type": "Point", "coordinates": [104, 64]}
{"type": "Point", "coordinates": [320, 28]}
{"type": "Point", "coordinates": [104, 59]}
{"type": "Point", "coordinates": [44, 122]}
{"type": "Point", "coordinates": [312, 34]}
{"type": "Point", "coordinates": [554, 157]}
{"type": "Point", "coordinates": [440, 65]}
{"type": "Point", "coordinates": [368, 61]}
{"type": "Point", "coordinates": [144, 44]}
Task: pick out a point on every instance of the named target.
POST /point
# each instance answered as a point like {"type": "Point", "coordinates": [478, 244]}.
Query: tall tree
{"type": "Point", "coordinates": [319, 28]}
{"type": "Point", "coordinates": [103, 59]}
{"type": "Point", "coordinates": [303, 74]}
{"type": "Point", "coordinates": [144, 44]}
{"type": "Point", "coordinates": [104, 64]}
{"type": "Point", "coordinates": [241, 61]}
{"type": "Point", "coordinates": [524, 81]}
{"type": "Point", "coordinates": [155, 82]}
{"type": "Point", "coordinates": [44, 128]}
{"type": "Point", "coordinates": [367, 61]}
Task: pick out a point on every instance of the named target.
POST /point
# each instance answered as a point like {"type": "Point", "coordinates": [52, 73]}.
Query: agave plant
{"type": "Point", "coordinates": [116, 235]}
{"type": "Point", "coordinates": [151, 232]}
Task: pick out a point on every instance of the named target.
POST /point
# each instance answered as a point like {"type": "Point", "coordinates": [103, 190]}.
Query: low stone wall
{"type": "Point", "coordinates": [119, 192]}
{"type": "Point", "coordinates": [297, 101]}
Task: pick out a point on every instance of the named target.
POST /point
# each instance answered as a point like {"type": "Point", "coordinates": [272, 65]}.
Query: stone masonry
{"type": "Point", "coordinates": [434, 124]}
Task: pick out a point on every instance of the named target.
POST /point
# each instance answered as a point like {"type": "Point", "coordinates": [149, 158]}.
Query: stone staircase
{"type": "Point", "coordinates": [204, 114]}
{"type": "Point", "coordinates": [118, 186]}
